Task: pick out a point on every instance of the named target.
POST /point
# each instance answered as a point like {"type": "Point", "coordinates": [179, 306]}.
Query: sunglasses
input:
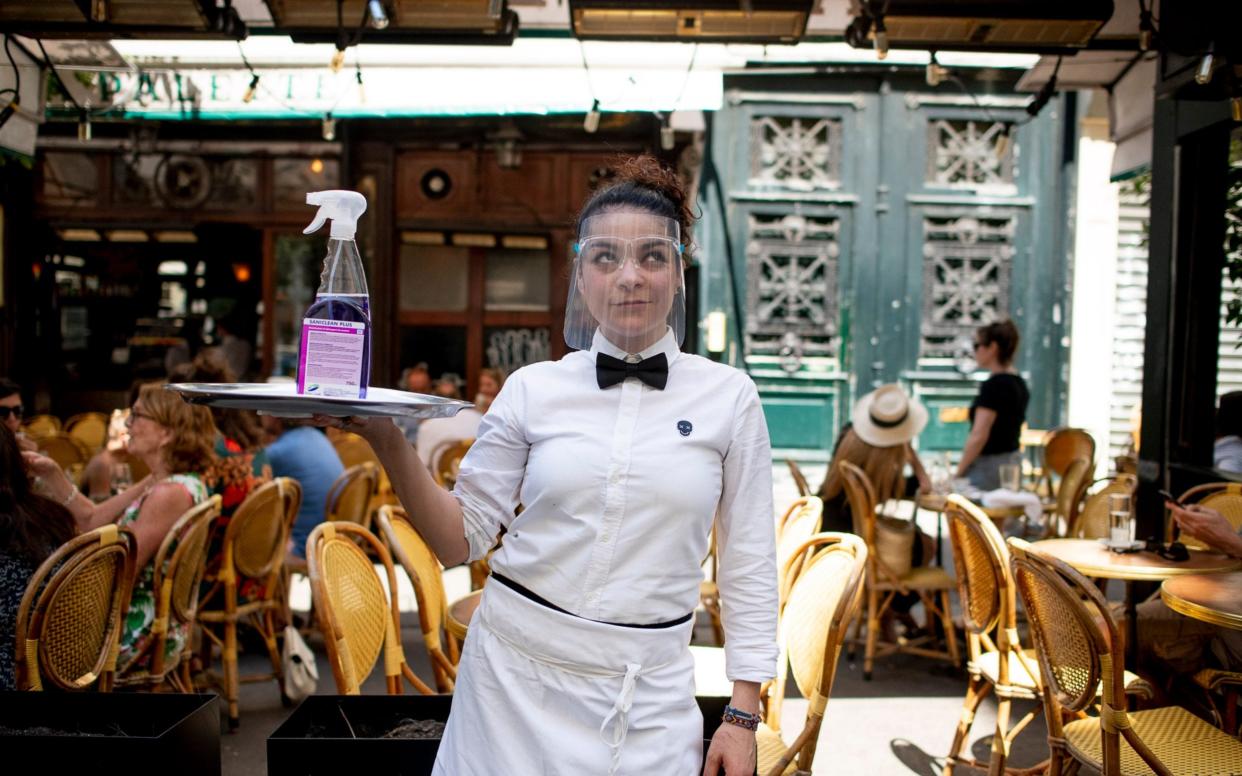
{"type": "Point", "coordinates": [979, 345]}
{"type": "Point", "coordinates": [16, 412]}
{"type": "Point", "coordinates": [133, 414]}
{"type": "Point", "coordinates": [1173, 551]}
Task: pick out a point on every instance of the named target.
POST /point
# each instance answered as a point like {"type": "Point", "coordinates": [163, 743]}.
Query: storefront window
{"type": "Point", "coordinates": [434, 277]}
{"type": "Point", "coordinates": [298, 262]}
{"type": "Point", "coordinates": [516, 280]}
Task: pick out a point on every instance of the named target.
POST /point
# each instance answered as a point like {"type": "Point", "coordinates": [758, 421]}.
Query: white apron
{"type": "Point", "coordinates": [542, 692]}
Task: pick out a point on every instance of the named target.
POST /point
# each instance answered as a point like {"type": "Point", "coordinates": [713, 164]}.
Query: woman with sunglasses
{"type": "Point", "coordinates": [12, 411]}
{"type": "Point", "coordinates": [998, 412]}
{"type": "Point", "coordinates": [175, 441]}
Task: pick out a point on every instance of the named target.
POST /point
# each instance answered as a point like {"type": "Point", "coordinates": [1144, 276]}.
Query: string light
{"type": "Point", "coordinates": [1207, 66]}
{"type": "Point", "coordinates": [329, 127]}
{"type": "Point", "coordinates": [376, 14]}
{"type": "Point", "coordinates": [338, 60]}
{"type": "Point", "coordinates": [362, 91]}
{"type": "Point", "coordinates": [668, 138]}
{"type": "Point", "coordinates": [84, 126]}
{"type": "Point", "coordinates": [935, 73]}
{"type": "Point", "coordinates": [881, 32]}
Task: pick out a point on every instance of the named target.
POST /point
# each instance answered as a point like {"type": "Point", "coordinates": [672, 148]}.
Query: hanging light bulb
{"type": "Point", "coordinates": [935, 73]}
{"type": "Point", "coordinates": [1207, 65]}
{"type": "Point", "coordinates": [881, 38]}
{"type": "Point", "coordinates": [1003, 142]}
{"type": "Point", "coordinates": [668, 138]}
{"type": "Point", "coordinates": [329, 127]}
{"type": "Point", "coordinates": [591, 122]}
{"type": "Point", "coordinates": [84, 126]}
{"type": "Point", "coordinates": [1145, 28]}
{"type": "Point", "coordinates": [1235, 105]}
{"type": "Point", "coordinates": [250, 90]}
{"type": "Point", "coordinates": [377, 16]}
{"type": "Point", "coordinates": [338, 59]}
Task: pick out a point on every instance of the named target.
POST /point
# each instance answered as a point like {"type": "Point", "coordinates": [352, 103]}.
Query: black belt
{"type": "Point", "coordinates": [526, 593]}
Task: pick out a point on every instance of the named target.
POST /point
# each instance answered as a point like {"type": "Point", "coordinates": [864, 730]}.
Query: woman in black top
{"type": "Point", "coordinates": [998, 412]}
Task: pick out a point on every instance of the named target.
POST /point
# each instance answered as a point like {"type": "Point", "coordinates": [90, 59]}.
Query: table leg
{"type": "Point", "coordinates": [1131, 627]}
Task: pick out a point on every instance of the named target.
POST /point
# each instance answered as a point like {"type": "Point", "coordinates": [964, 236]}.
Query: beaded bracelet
{"type": "Point", "coordinates": [735, 716]}
{"type": "Point", "coordinates": [73, 493]}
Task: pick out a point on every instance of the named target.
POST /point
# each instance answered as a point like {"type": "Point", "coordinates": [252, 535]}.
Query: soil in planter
{"type": "Point", "coordinates": [404, 727]}
{"type": "Point", "coordinates": [112, 731]}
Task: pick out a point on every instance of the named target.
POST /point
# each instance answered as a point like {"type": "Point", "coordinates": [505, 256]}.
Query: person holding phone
{"type": "Point", "coordinates": [1170, 640]}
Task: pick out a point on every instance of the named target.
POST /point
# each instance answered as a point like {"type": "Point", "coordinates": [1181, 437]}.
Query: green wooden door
{"type": "Point", "coordinates": [857, 230]}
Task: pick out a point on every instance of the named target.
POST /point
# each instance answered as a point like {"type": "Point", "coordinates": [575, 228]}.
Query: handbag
{"type": "Point", "coordinates": [894, 543]}
{"type": "Point", "coordinates": [298, 662]}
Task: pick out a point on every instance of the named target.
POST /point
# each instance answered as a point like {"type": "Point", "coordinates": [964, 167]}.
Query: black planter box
{"type": "Point", "coordinates": [122, 730]}
{"type": "Point", "coordinates": [316, 737]}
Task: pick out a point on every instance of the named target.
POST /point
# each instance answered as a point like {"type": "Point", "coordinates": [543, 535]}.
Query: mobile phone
{"type": "Point", "coordinates": [1169, 497]}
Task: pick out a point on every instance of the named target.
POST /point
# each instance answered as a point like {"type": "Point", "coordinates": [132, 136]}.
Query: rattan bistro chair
{"type": "Point", "coordinates": [68, 625]}
{"type": "Point", "coordinates": [69, 453]}
{"type": "Point", "coordinates": [824, 597]}
{"type": "Point", "coordinates": [1063, 446]}
{"type": "Point", "coordinates": [931, 583]}
{"type": "Point", "coordinates": [1079, 648]}
{"type": "Point", "coordinates": [253, 549]}
{"type": "Point", "coordinates": [446, 461]}
{"type": "Point", "coordinates": [178, 564]}
{"type": "Point", "coordinates": [1070, 491]}
{"type": "Point", "coordinates": [358, 618]}
{"type": "Point", "coordinates": [89, 428]}
{"type": "Point", "coordinates": [39, 426]}
{"type": "Point", "coordinates": [1091, 522]}
{"type": "Point", "coordinates": [350, 496]}
{"type": "Point", "coordinates": [795, 471]}
{"type": "Point", "coordinates": [427, 576]}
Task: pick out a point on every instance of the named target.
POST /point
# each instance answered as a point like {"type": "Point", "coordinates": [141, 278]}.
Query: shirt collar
{"type": "Point", "coordinates": [666, 345]}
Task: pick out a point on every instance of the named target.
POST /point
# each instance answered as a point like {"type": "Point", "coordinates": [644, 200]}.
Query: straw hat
{"type": "Point", "coordinates": [887, 417]}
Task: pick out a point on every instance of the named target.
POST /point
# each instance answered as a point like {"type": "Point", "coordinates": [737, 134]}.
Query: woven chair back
{"type": "Point", "coordinates": [182, 556]}
{"type": "Point", "coordinates": [1072, 627]}
{"type": "Point", "coordinates": [68, 622]}
{"type": "Point", "coordinates": [356, 615]}
{"type": "Point", "coordinates": [422, 566]}
{"type": "Point", "coordinates": [349, 499]}
{"type": "Point", "coordinates": [1070, 492]}
{"type": "Point", "coordinates": [795, 471]}
{"type": "Point", "coordinates": [793, 534]}
{"type": "Point", "coordinates": [984, 585]}
{"type": "Point", "coordinates": [861, 496]}
{"type": "Point", "coordinates": [794, 507]}
{"type": "Point", "coordinates": [66, 451]}
{"type": "Point", "coordinates": [822, 601]}
{"type": "Point", "coordinates": [38, 426]}
{"type": "Point", "coordinates": [1224, 497]}
{"type": "Point", "coordinates": [446, 461]}
{"type": "Point", "coordinates": [89, 428]}
{"type": "Point", "coordinates": [352, 449]}
{"type": "Point", "coordinates": [1092, 520]}
{"type": "Point", "coordinates": [259, 529]}
{"type": "Point", "coordinates": [1063, 446]}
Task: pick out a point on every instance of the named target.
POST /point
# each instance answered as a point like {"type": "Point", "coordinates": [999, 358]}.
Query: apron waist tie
{"type": "Point", "coordinates": [619, 717]}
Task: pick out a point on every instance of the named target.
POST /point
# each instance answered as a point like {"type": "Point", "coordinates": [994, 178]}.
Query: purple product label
{"type": "Point", "coordinates": [330, 358]}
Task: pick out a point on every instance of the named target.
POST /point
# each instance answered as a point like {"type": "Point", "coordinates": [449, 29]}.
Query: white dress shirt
{"type": "Point", "coordinates": [619, 487]}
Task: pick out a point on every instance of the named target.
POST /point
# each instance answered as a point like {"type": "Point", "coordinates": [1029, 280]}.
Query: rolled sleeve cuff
{"type": "Point", "coordinates": [479, 529]}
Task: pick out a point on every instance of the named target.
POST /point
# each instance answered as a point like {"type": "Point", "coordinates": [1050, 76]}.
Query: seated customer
{"type": "Point", "coordinates": [31, 528]}
{"type": "Point", "coordinates": [12, 411]}
{"type": "Point", "coordinates": [1227, 452]}
{"type": "Point", "coordinates": [305, 454]}
{"type": "Point", "coordinates": [1168, 640]}
{"type": "Point", "coordinates": [174, 440]}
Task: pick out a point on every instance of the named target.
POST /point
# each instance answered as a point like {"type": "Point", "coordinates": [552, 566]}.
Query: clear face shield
{"type": "Point", "coordinates": [627, 282]}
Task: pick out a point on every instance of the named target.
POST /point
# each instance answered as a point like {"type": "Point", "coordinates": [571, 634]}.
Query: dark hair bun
{"type": "Point", "coordinates": [643, 183]}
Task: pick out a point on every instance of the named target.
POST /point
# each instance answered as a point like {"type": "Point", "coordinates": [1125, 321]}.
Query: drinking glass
{"type": "Point", "coordinates": [1010, 476]}
{"type": "Point", "coordinates": [1120, 521]}
{"type": "Point", "coordinates": [122, 477]}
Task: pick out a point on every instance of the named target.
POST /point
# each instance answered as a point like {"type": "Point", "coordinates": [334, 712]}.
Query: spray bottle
{"type": "Point", "coordinates": [335, 355]}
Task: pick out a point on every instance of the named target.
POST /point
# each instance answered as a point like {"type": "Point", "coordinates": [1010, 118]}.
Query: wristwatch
{"type": "Point", "coordinates": [735, 716]}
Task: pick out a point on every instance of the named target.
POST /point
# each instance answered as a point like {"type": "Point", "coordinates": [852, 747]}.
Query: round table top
{"type": "Point", "coordinates": [936, 502]}
{"type": "Point", "coordinates": [460, 612]}
{"type": "Point", "coordinates": [1093, 559]}
{"type": "Point", "coordinates": [1214, 598]}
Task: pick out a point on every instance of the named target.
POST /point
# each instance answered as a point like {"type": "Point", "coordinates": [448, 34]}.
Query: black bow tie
{"type": "Point", "coordinates": [653, 371]}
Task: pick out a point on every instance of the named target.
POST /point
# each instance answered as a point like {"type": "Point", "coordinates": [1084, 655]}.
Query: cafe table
{"type": "Point", "coordinates": [935, 502]}
{"type": "Point", "coordinates": [460, 612]}
{"type": "Point", "coordinates": [1092, 559]}
{"type": "Point", "coordinates": [1213, 598]}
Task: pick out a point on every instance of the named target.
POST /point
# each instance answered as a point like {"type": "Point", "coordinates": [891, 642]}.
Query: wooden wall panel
{"type": "Point", "coordinates": [530, 193]}
{"type": "Point", "coordinates": [460, 202]}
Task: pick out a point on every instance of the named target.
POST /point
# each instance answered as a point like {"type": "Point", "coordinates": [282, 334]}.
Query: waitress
{"type": "Point", "coordinates": [998, 412]}
{"type": "Point", "coordinates": [621, 454]}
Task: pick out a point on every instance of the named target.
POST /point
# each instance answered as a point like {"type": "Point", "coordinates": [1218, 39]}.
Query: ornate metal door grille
{"type": "Point", "coordinates": [968, 262]}
{"type": "Point", "coordinates": [962, 153]}
{"type": "Point", "coordinates": [792, 295]}
{"type": "Point", "coordinates": [795, 153]}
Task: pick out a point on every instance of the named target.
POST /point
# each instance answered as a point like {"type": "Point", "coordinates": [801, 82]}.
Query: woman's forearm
{"type": "Point", "coordinates": [90, 515]}
{"type": "Point", "coordinates": [745, 696]}
{"type": "Point", "coordinates": [432, 509]}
